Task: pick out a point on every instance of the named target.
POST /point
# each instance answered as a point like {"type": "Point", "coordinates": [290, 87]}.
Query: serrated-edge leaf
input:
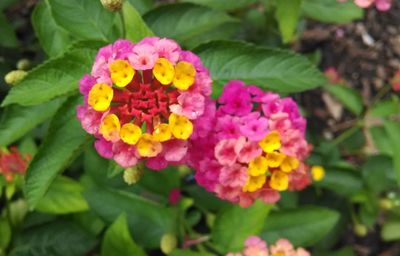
{"type": "Point", "coordinates": [278, 70]}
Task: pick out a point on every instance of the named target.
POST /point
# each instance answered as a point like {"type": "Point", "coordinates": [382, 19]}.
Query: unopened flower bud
{"type": "Point", "coordinates": [13, 77]}
{"type": "Point", "coordinates": [112, 5]}
{"type": "Point", "coordinates": [132, 175]}
{"type": "Point", "coordinates": [168, 243]}
{"type": "Point", "coordinates": [23, 64]}
{"type": "Point", "coordinates": [317, 172]}
{"type": "Point", "coordinates": [360, 230]}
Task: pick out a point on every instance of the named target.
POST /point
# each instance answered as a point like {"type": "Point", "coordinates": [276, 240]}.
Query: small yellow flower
{"type": "Point", "coordinates": [317, 172]}
{"type": "Point", "coordinates": [164, 71]}
{"type": "Point", "coordinates": [181, 127]}
{"type": "Point", "coordinates": [184, 75]}
{"type": "Point", "coordinates": [130, 133]}
{"type": "Point", "coordinates": [275, 159]}
{"type": "Point", "coordinates": [110, 127]}
{"type": "Point", "coordinates": [254, 183]}
{"type": "Point", "coordinates": [258, 166]}
{"type": "Point", "coordinates": [162, 132]}
{"type": "Point", "coordinates": [271, 142]}
{"type": "Point", "coordinates": [121, 73]}
{"type": "Point", "coordinates": [100, 97]}
{"type": "Point", "coordinates": [147, 146]}
{"type": "Point", "coordinates": [289, 164]}
{"type": "Point", "coordinates": [279, 181]}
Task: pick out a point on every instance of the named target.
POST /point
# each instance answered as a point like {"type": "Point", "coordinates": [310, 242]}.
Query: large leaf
{"type": "Point", "coordinates": [222, 4]}
{"type": "Point", "coordinates": [349, 97]}
{"type": "Point", "coordinates": [378, 173]}
{"type": "Point", "coordinates": [381, 140]}
{"type": "Point", "coordinates": [287, 15]}
{"type": "Point", "coordinates": [118, 241]}
{"type": "Point", "coordinates": [393, 131]}
{"type": "Point", "coordinates": [64, 196]}
{"type": "Point", "coordinates": [84, 19]}
{"type": "Point", "coordinates": [385, 108]}
{"type": "Point", "coordinates": [147, 220]}
{"type": "Point", "coordinates": [142, 6]}
{"type": "Point", "coordinates": [7, 33]}
{"type": "Point", "coordinates": [302, 226]}
{"type": "Point", "coordinates": [184, 22]}
{"type": "Point", "coordinates": [54, 78]}
{"type": "Point", "coordinates": [135, 28]}
{"type": "Point", "coordinates": [46, 27]}
{"type": "Point", "coordinates": [234, 224]}
{"type": "Point", "coordinates": [278, 70]}
{"type": "Point", "coordinates": [17, 120]}
{"type": "Point", "coordinates": [58, 238]}
{"type": "Point", "coordinates": [332, 11]}
{"type": "Point", "coordinates": [62, 144]}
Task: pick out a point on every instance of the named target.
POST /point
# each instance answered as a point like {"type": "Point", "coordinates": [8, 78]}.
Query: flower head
{"type": "Point", "coordinates": [12, 163]}
{"type": "Point", "coordinates": [255, 149]}
{"type": "Point", "coordinates": [142, 101]}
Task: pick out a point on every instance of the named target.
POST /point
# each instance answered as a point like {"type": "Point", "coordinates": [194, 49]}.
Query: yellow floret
{"type": "Point", "coordinates": [271, 142]}
{"type": "Point", "coordinates": [164, 71]}
{"type": "Point", "coordinates": [110, 127]}
{"type": "Point", "coordinates": [258, 166]}
{"type": "Point", "coordinates": [181, 126]}
{"type": "Point", "coordinates": [121, 73]}
{"type": "Point", "coordinates": [279, 181]}
{"type": "Point", "coordinates": [147, 146]}
{"type": "Point", "coordinates": [162, 132]}
{"type": "Point", "coordinates": [100, 97]}
{"type": "Point", "coordinates": [130, 133]}
{"type": "Point", "coordinates": [184, 75]}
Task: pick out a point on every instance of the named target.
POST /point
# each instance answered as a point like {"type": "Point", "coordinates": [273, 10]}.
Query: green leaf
{"type": "Point", "coordinates": [142, 6]}
{"type": "Point", "coordinates": [332, 11]}
{"type": "Point", "coordinates": [7, 33]}
{"type": "Point", "coordinates": [349, 97]}
{"type": "Point", "coordinates": [151, 180]}
{"type": "Point", "coordinates": [56, 77]}
{"type": "Point", "coordinates": [343, 182]}
{"type": "Point", "coordinates": [222, 4]}
{"type": "Point", "coordinates": [84, 19]}
{"type": "Point", "coordinates": [46, 27]}
{"type": "Point", "coordinates": [5, 231]}
{"type": "Point", "coordinates": [148, 221]}
{"type": "Point", "coordinates": [64, 196]}
{"type": "Point", "coordinates": [287, 15]}
{"type": "Point", "coordinates": [393, 131]}
{"type": "Point", "coordinates": [391, 229]}
{"type": "Point", "coordinates": [278, 70]}
{"type": "Point", "coordinates": [381, 140]}
{"type": "Point", "coordinates": [118, 241]}
{"type": "Point", "coordinates": [135, 28]}
{"type": "Point", "coordinates": [302, 226]}
{"type": "Point", "coordinates": [234, 224]}
{"type": "Point", "coordinates": [178, 252]}
{"type": "Point", "coordinates": [62, 144]}
{"type": "Point", "coordinates": [57, 238]}
{"type": "Point", "coordinates": [345, 251]}
{"type": "Point", "coordinates": [378, 173]}
{"type": "Point", "coordinates": [184, 22]}
{"type": "Point", "coordinates": [17, 120]}
{"type": "Point", "coordinates": [385, 108]}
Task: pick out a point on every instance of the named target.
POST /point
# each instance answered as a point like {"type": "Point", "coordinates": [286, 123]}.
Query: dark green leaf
{"type": "Point", "coordinates": [350, 98]}
{"type": "Point", "coordinates": [5, 231]}
{"type": "Point", "coordinates": [184, 22]}
{"type": "Point", "coordinates": [222, 4]}
{"type": "Point", "coordinates": [151, 180]}
{"type": "Point", "coordinates": [147, 220]}
{"type": "Point", "coordinates": [62, 144]}
{"type": "Point", "coordinates": [7, 33]}
{"type": "Point", "coordinates": [56, 77]}
{"type": "Point", "coordinates": [332, 11]}
{"type": "Point", "coordinates": [64, 196]}
{"type": "Point", "coordinates": [135, 28]}
{"type": "Point", "coordinates": [53, 38]}
{"type": "Point", "coordinates": [17, 120]}
{"type": "Point", "coordinates": [378, 173]}
{"type": "Point", "coordinates": [234, 224]}
{"type": "Point", "coordinates": [302, 226]}
{"type": "Point", "coordinates": [278, 70]}
{"type": "Point", "coordinates": [393, 131]}
{"type": "Point", "coordinates": [287, 15]}
{"type": "Point", "coordinates": [118, 241]}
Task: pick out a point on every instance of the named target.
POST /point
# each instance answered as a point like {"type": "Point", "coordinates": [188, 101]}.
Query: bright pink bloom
{"type": "Point", "coordinates": [174, 196]}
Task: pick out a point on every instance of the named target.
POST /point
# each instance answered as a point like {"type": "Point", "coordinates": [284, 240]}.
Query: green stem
{"type": "Point", "coordinates": [121, 15]}
{"type": "Point", "coordinates": [347, 134]}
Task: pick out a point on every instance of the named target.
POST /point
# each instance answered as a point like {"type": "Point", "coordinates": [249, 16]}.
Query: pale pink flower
{"type": "Point", "coordinates": [225, 152]}
{"type": "Point", "coordinates": [144, 57]}
{"type": "Point", "coordinates": [190, 105]}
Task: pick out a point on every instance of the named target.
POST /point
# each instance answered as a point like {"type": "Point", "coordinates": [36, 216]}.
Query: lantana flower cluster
{"type": "Point", "coordinates": [141, 101]}
{"type": "Point", "coordinates": [12, 163]}
{"type": "Point", "coordinates": [381, 5]}
{"type": "Point", "coordinates": [254, 147]}
{"type": "Point", "coordinates": [255, 246]}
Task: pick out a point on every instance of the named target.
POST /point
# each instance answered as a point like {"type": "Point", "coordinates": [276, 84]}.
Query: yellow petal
{"type": "Point", "coordinates": [289, 164]}
{"type": "Point", "coordinates": [258, 166]}
{"type": "Point", "coordinates": [181, 127]}
{"type": "Point", "coordinates": [100, 97]}
{"type": "Point", "coordinates": [147, 146]}
{"type": "Point", "coordinates": [184, 75]}
{"type": "Point", "coordinates": [164, 71]}
{"type": "Point", "coordinates": [271, 142]}
{"type": "Point", "coordinates": [110, 127]}
{"type": "Point", "coordinates": [254, 183]}
{"type": "Point", "coordinates": [275, 159]}
{"type": "Point", "coordinates": [317, 172]}
{"type": "Point", "coordinates": [279, 181]}
{"type": "Point", "coordinates": [121, 73]}
{"type": "Point", "coordinates": [130, 133]}
{"type": "Point", "coordinates": [162, 132]}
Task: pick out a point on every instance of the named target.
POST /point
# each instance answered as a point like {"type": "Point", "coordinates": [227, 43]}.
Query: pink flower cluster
{"type": "Point", "coordinates": [381, 5]}
{"type": "Point", "coordinates": [255, 246]}
{"type": "Point", "coordinates": [251, 146]}
{"type": "Point", "coordinates": [141, 100]}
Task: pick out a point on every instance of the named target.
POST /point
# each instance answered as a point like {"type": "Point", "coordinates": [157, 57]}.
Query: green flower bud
{"type": "Point", "coordinates": [112, 5]}
{"type": "Point", "coordinates": [168, 243]}
{"type": "Point", "coordinates": [385, 204]}
{"type": "Point", "coordinates": [13, 77]}
{"type": "Point", "coordinates": [360, 230]}
{"type": "Point", "coordinates": [132, 175]}
{"type": "Point", "coordinates": [23, 64]}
